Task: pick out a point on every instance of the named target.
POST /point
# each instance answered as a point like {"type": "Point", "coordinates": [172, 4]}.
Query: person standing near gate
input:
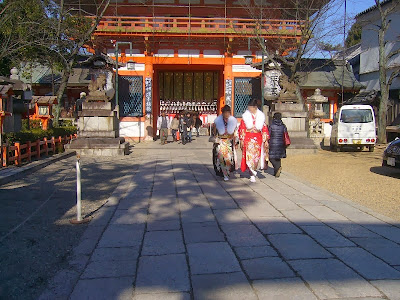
{"type": "Point", "coordinates": [253, 135]}
{"type": "Point", "coordinates": [187, 128]}
{"type": "Point", "coordinates": [163, 124]}
{"type": "Point", "coordinates": [278, 143]}
{"type": "Point", "coordinates": [175, 127]}
{"type": "Point", "coordinates": [197, 124]}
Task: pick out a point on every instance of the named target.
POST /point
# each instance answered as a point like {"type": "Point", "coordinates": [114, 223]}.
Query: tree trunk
{"type": "Point", "coordinates": [299, 96]}
{"type": "Point", "coordinates": [61, 90]}
{"type": "Point", "coordinates": [383, 104]}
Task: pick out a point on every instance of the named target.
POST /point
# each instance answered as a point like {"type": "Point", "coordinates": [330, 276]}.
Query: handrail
{"type": "Point", "coordinates": [12, 154]}
{"type": "Point", "coordinates": [194, 25]}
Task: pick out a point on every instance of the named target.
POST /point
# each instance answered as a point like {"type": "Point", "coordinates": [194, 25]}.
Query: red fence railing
{"type": "Point", "coordinates": [200, 26]}
{"type": "Point", "coordinates": [18, 153]}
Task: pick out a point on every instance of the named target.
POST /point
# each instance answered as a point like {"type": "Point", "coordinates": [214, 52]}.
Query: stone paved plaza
{"type": "Point", "coordinates": [172, 230]}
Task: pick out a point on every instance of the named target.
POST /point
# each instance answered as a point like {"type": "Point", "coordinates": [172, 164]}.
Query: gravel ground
{"type": "Point", "coordinates": [39, 247]}
{"type": "Point", "coordinates": [358, 176]}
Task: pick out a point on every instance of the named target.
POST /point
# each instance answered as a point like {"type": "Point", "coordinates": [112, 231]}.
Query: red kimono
{"type": "Point", "coordinates": [254, 135]}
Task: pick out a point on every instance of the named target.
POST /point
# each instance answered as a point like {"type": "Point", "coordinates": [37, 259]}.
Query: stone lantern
{"type": "Point", "coordinates": [316, 102]}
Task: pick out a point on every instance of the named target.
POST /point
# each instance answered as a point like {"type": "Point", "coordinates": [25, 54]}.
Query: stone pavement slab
{"type": "Point", "coordinates": [244, 235]}
{"type": "Point", "coordinates": [391, 288]}
{"type": "Point", "coordinates": [282, 289]}
{"type": "Point", "coordinates": [163, 242]}
{"type": "Point", "coordinates": [110, 268]}
{"type": "Point", "coordinates": [129, 217]}
{"type": "Point", "coordinates": [324, 213]}
{"type": "Point", "coordinates": [254, 252]}
{"type": "Point", "coordinates": [350, 229]}
{"type": "Point", "coordinates": [159, 225]}
{"type": "Point", "coordinates": [296, 246]}
{"type": "Point", "coordinates": [276, 225]}
{"type": "Point", "coordinates": [229, 286]}
{"type": "Point", "coordinates": [122, 236]}
{"type": "Point", "coordinates": [330, 278]}
{"type": "Point", "coordinates": [382, 248]}
{"type": "Point", "coordinates": [327, 237]}
{"type": "Point", "coordinates": [209, 258]}
{"type": "Point", "coordinates": [300, 217]}
{"type": "Point", "coordinates": [231, 216]}
{"type": "Point", "coordinates": [267, 268]}
{"type": "Point", "coordinates": [103, 289]}
{"type": "Point", "coordinates": [163, 296]}
{"type": "Point", "coordinates": [110, 254]}
{"type": "Point", "coordinates": [161, 274]}
{"type": "Point", "coordinates": [365, 263]}
{"type": "Point", "coordinates": [202, 232]}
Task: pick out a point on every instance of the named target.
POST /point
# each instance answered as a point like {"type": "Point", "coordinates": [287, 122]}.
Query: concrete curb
{"type": "Point", "coordinates": [14, 173]}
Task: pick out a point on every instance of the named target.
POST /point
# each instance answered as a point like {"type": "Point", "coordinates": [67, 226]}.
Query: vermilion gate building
{"type": "Point", "coordinates": [189, 54]}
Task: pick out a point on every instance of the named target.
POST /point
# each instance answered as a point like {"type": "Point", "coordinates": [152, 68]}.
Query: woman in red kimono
{"type": "Point", "coordinates": [253, 135]}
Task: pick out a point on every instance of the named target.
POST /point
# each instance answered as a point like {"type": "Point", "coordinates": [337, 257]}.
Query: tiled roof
{"type": "Point", "coordinates": [44, 99]}
{"type": "Point", "coordinates": [43, 75]}
{"type": "Point", "coordinates": [372, 8]}
{"type": "Point", "coordinates": [324, 73]}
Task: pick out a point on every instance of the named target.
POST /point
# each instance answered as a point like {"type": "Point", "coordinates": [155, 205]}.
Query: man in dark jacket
{"type": "Point", "coordinates": [187, 127]}
{"type": "Point", "coordinates": [197, 124]}
{"type": "Point", "coordinates": [277, 148]}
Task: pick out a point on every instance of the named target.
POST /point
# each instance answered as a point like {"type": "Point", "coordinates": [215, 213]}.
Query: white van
{"type": "Point", "coordinates": [353, 126]}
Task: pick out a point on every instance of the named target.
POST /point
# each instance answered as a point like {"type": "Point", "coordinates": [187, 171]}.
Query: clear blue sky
{"type": "Point", "coordinates": [356, 6]}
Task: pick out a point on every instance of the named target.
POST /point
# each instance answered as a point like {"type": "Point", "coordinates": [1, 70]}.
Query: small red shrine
{"type": "Point", "coordinates": [43, 106]}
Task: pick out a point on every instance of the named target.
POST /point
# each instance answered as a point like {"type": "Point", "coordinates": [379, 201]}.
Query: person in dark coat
{"type": "Point", "coordinates": [277, 148]}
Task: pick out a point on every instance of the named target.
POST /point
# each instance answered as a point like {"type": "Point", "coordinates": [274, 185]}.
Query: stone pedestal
{"type": "Point", "coordinates": [294, 115]}
{"type": "Point", "coordinates": [98, 132]}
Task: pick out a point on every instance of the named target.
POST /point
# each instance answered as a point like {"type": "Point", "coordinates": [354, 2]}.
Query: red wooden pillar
{"type": "Point", "coordinates": [29, 150]}
{"type": "Point", "coordinates": [38, 149]}
{"type": "Point", "coordinates": [17, 154]}
{"type": "Point", "coordinates": [228, 78]}
{"type": "Point", "coordinates": [53, 144]}
{"type": "Point", "coordinates": [46, 146]}
{"type": "Point", "coordinates": [5, 154]}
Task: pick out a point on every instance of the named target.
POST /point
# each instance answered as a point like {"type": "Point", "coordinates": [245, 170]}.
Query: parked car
{"type": "Point", "coordinates": [391, 155]}
{"type": "Point", "coordinates": [353, 126]}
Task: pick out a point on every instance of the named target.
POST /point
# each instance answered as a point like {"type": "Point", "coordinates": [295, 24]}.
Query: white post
{"type": "Point", "coordinates": [78, 191]}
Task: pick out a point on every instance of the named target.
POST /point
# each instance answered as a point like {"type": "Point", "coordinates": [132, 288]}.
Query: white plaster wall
{"type": "Point", "coordinates": [138, 67]}
{"type": "Point", "coordinates": [188, 53]}
{"type": "Point", "coordinates": [244, 68]}
{"type": "Point", "coordinates": [212, 53]}
{"type": "Point", "coordinates": [165, 53]}
{"type": "Point", "coordinates": [131, 129]}
{"type": "Point", "coordinates": [369, 58]}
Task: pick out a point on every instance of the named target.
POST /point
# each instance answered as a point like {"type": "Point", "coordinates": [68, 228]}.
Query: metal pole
{"type": "Point", "coordinates": [78, 191]}
{"type": "Point", "coordinates": [344, 48]}
{"type": "Point", "coordinates": [116, 80]}
{"type": "Point", "coordinates": [262, 75]}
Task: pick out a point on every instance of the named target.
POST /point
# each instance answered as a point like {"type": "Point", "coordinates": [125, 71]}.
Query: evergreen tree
{"type": "Point", "coordinates": [354, 35]}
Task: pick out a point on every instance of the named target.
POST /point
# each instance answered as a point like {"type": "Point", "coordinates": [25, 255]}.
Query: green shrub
{"type": "Point", "coordinates": [66, 123]}
{"type": "Point", "coordinates": [33, 124]}
{"type": "Point", "coordinates": [38, 134]}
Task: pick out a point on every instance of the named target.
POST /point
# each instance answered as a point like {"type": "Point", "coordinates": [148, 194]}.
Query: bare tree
{"type": "Point", "coordinates": [313, 21]}
{"type": "Point", "coordinates": [49, 32]}
{"type": "Point", "coordinates": [70, 31]}
{"type": "Point", "coordinates": [387, 71]}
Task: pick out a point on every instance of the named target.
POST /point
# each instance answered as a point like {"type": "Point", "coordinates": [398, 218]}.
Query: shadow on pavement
{"type": "Point", "coordinates": [181, 233]}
